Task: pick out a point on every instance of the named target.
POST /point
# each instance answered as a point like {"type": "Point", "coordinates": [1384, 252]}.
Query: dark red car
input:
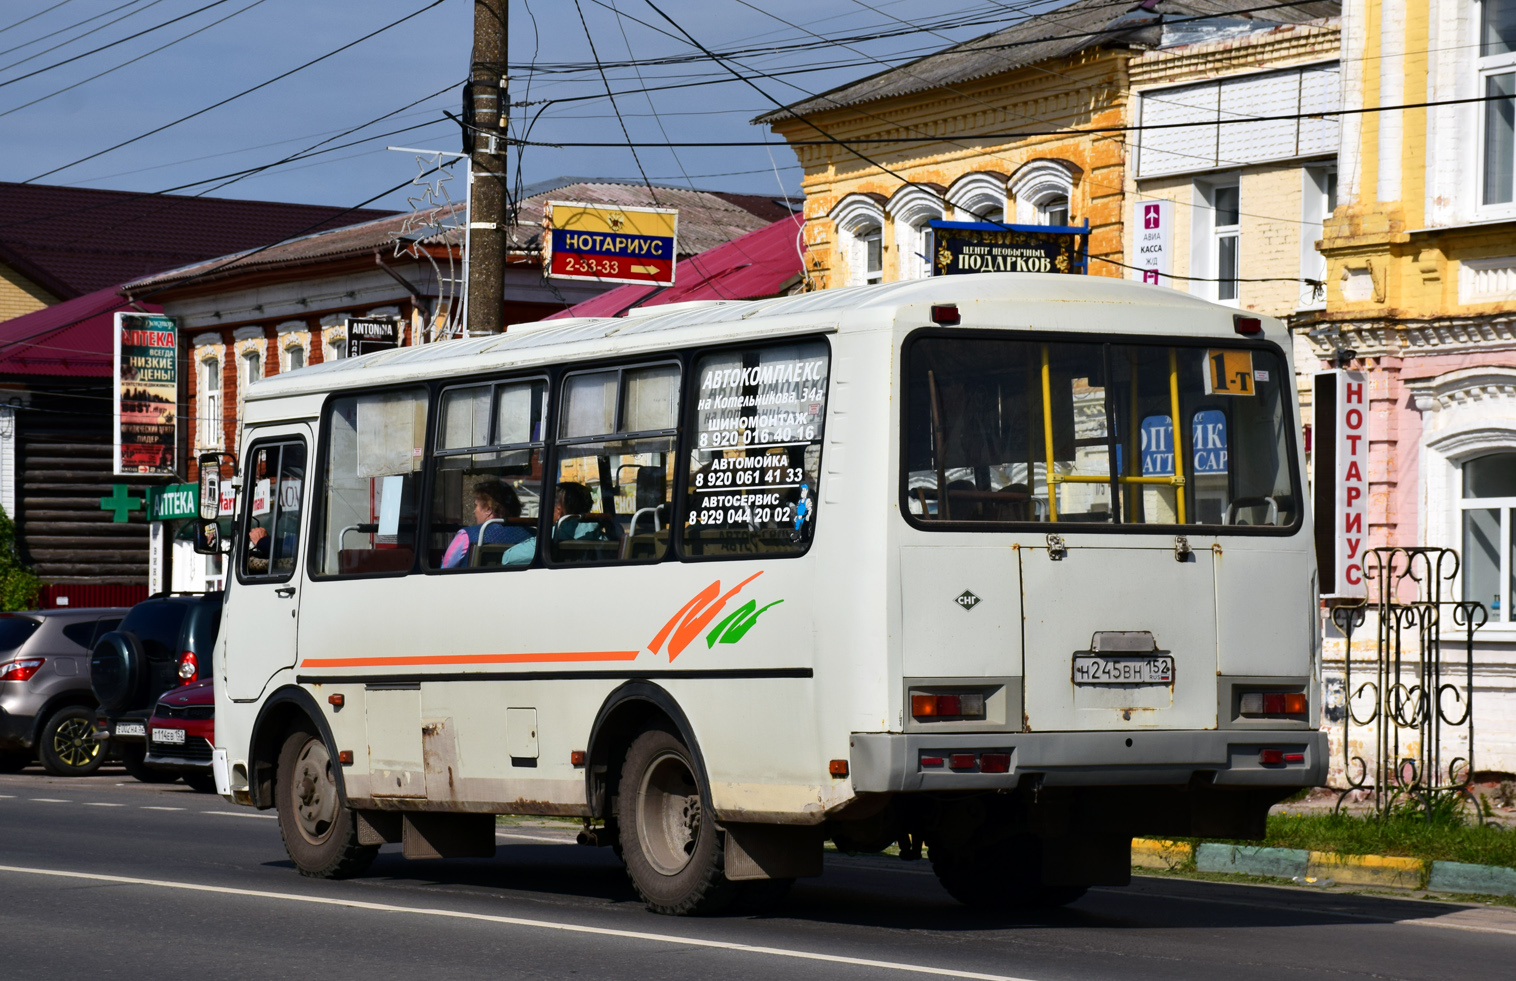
{"type": "Point", "coordinates": [182, 731]}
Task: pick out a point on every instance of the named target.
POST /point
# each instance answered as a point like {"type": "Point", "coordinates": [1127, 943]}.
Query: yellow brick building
{"type": "Point", "coordinates": [1024, 126]}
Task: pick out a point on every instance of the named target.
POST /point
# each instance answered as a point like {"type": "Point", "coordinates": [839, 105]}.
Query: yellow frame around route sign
{"type": "Point", "coordinates": [1053, 478]}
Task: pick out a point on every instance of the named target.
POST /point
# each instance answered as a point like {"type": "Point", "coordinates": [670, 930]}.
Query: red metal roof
{"type": "Point", "coordinates": [73, 338]}
{"type": "Point", "coordinates": [73, 240]}
{"type": "Point", "coordinates": [759, 264]}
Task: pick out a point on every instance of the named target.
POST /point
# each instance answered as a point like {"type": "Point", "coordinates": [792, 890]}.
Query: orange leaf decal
{"type": "Point", "coordinates": [693, 617]}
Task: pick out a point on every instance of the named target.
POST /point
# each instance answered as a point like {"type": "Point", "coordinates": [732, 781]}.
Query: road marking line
{"type": "Point", "coordinates": [555, 841]}
{"type": "Point", "coordinates": [239, 814]}
{"type": "Point", "coordinates": [149, 807]}
{"type": "Point", "coordinates": [50, 800]}
{"type": "Point", "coordinates": [518, 921]}
{"type": "Point", "coordinates": [1344, 914]}
{"type": "Point", "coordinates": [7, 796]}
{"type": "Point", "coordinates": [101, 804]}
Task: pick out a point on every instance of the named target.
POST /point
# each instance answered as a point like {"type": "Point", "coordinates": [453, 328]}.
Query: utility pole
{"type": "Point", "coordinates": [486, 138]}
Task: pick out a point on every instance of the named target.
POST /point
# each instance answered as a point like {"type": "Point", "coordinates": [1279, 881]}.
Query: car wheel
{"type": "Point", "coordinates": [674, 853]}
{"type": "Point", "coordinates": [201, 783]}
{"type": "Point", "coordinates": [319, 830]}
{"type": "Point", "coordinates": [134, 759]}
{"type": "Point", "coordinates": [14, 761]}
{"type": "Point", "coordinates": [67, 747]}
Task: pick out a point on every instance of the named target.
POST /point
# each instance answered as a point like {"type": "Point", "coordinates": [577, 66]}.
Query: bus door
{"type": "Point", "coordinates": [261, 615]}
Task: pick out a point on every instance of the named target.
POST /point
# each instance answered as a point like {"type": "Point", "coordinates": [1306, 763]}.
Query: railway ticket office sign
{"type": "Point", "coordinates": [1341, 465]}
{"type": "Point", "coordinates": [963, 247]}
{"type": "Point", "coordinates": [146, 393]}
{"type": "Point", "coordinates": [607, 244]}
{"type": "Point", "coordinates": [1154, 236]}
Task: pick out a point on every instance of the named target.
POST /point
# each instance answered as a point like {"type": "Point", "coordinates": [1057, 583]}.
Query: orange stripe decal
{"type": "Point", "coordinates": [547, 657]}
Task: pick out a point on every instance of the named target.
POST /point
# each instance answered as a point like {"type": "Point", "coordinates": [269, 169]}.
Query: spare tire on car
{"type": "Point", "coordinates": [118, 670]}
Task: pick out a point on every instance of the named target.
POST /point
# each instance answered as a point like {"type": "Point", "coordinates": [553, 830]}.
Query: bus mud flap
{"type": "Point", "coordinates": [377, 827]}
{"type": "Point", "coordinates": [426, 834]}
{"type": "Point", "coordinates": [772, 851]}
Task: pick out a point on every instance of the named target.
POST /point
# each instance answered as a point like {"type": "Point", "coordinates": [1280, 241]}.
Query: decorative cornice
{"type": "Point", "coordinates": [1482, 384]}
{"type": "Point", "coordinates": [1283, 47]}
{"type": "Point", "coordinates": [1397, 338]}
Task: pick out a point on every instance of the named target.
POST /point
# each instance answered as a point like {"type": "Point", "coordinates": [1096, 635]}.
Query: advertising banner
{"type": "Point", "coordinates": [1154, 233]}
{"type": "Point", "coordinates": [146, 394]}
{"type": "Point", "coordinates": [608, 244]}
{"type": "Point", "coordinates": [1340, 459]}
{"type": "Point", "coordinates": [964, 247]}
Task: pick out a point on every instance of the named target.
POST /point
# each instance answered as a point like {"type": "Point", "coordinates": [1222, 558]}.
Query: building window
{"type": "Point", "coordinates": [210, 404]}
{"type": "Point", "coordinates": [859, 219]}
{"type": "Point", "coordinates": [1318, 201]}
{"type": "Point", "coordinates": [871, 251]}
{"type": "Point", "coordinates": [1043, 190]}
{"type": "Point", "coordinates": [252, 366]}
{"type": "Point", "coordinates": [912, 210]}
{"type": "Point", "coordinates": [1225, 201]}
{"type": "Point", "coordinates": [1054, 210]}
{"type": "Point", "coordinates": [1489, 494]}
{"type": "Point", "coordinates": [294, 357]}
{"type": "Point", "coordinates": [1497, 82]}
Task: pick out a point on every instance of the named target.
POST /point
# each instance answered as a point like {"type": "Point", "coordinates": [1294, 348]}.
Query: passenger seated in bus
{"type": "Point", "coordinates": [494, 503]}
{"type": "Point", "coordinates": [571, 515]}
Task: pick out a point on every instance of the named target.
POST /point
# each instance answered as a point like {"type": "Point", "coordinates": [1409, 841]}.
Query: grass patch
{"type": "Point", "coordinates": [1409, 834]}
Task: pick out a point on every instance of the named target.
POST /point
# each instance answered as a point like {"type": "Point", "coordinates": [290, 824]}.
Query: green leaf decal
{"type": "Point", "coordinates": [736, 626]}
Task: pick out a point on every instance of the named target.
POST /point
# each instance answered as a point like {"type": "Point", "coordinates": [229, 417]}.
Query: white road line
{"type": "Point", "coordinates": [151, 807]}
{"type": "Point", "coordinates": [664, 938]}
{"type": "Point", "coordinates": [554, 841]}
{"type": "Point", "coordinates": [239, 814]}
{"type": "Point", "coordinates": [7, 796]}
{"type": "Point", "coordinates": [97, 803]}
{"type": "Point", "coordinates": [50, 800]}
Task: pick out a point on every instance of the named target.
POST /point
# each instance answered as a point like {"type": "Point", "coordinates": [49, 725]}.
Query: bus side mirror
{"type": "Point", "coordinates": [208, 537]}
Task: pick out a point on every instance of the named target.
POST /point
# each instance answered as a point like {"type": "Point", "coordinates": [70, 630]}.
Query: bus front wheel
{"type": "Point", "coordinates": [673, 850]}
{"type": "Point", "coordinates": [319, 830]}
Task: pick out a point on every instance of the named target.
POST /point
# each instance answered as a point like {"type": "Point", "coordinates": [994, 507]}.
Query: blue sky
{"type": "Point", "coordinates": [425, 55]}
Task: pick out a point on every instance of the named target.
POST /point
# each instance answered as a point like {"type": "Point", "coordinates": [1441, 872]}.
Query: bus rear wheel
{"type": "Point", "coordinates": [1004, 875]}
{"type": "Point", "coordinates": [674, 852]}
{"type": "Point", "coordinates": [319, 831]}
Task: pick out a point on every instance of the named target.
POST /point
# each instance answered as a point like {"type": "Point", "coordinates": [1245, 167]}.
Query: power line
{"type": "Point", "coordinates": [104, 47]}
{"type": "Point", "coordinates": [76, 37]}
{"type": "Point", "coordinates": [186, 37]}
{"type": "Point", "coordinates": [39, 13]}
{"type": "Point", "coordinates": [615, 108]}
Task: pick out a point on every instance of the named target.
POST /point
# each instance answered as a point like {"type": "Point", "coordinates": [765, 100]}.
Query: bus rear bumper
{"type": "Point", "coordinates": [903, 762]}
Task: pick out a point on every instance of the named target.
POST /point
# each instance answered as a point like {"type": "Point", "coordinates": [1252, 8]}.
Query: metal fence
{"type": "Point", "coordinates": [1416, 705]}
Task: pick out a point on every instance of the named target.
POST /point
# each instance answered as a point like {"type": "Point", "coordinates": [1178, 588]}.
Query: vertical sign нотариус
{"type": "Point", "coordinates": [1351, 482]}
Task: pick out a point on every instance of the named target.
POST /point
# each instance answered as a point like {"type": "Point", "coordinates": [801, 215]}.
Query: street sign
{"type": "Point", "coordinates": [368, 334]}
{"type": "Point", "coordinates": [1341, 462]}
{"type": "Point", "coordinates": [966, 247]}
{"type": "Point", "coordinates": [146, 393]}
{"type": "Point", "coordinates": [173, 502]}
{"type": "Point", "coordinates": [609, 244]}
{"type": "Point", "coordinates": [1154, 236]}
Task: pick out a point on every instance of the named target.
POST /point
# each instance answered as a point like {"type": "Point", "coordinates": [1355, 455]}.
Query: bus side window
{"type": "Point", "coordinates": [371, 484]}
{"type": "Point", "coordinates": [487, 487]}
{"type": "Point", "coordinates": [755, 454]}
{"type": "Point", "coordinates": [276, 477]}
{"type": "Point", "coordinates": [616, 449]}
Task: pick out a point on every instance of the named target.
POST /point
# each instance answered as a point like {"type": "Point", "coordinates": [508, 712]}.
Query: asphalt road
{"type": "Point", "coordinates": [103, 877]}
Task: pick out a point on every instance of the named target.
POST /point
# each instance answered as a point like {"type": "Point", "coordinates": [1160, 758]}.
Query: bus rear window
{"type": "Point", "coordinates": [1001, 431]}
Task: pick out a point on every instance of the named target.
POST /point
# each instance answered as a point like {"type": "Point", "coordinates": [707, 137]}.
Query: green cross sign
{"type": "Point", "coordinates": [121, 501]}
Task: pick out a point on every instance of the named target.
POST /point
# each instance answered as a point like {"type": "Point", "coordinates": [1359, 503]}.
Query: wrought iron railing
{"type": "Point", "coordinates": [1417, 707]}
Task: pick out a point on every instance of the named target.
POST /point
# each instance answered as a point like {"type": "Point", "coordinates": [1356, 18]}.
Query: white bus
{"type": "Point", "coordinates": [1009, 567]}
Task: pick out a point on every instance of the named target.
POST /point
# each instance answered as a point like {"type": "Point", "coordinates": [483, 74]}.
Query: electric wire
{"type": "Point", "coordinates": [45, 10]}
{"type": "Point", "coordinates": [239, 95]}
{"type": "Point", "coordinates": [70, 27]}
{"type": "Point", "coordinates": [105, 47]}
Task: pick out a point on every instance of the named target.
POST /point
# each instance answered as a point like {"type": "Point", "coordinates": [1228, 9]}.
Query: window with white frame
{"type": "Point", "coordinates": [209, 434]}
{"type": "Point", "coordinates": [859, 220]}
{"type": "Point", "coordinates": [978, 196]}
{"type": "Point", "coordinates": [252, 367]}
{"type": "Point", "coordinates": [1043, 190]}
{"type": "Point", "coordinates": [294, 356]}
{"type": "Point", "coordinates": [1497, 82]}
{"type": "Point", "coordinates": [1318, 200]}
{"type": "Point", "coordinates": [912, 210]}
{"type": "Point", "coordinates": [1489, 494]}
{"type": "Point", "coordinates": [1226, 239]}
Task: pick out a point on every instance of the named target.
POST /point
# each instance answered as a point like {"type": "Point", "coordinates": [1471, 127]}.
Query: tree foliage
{"type": "Point", "coordinates": [19, 586]}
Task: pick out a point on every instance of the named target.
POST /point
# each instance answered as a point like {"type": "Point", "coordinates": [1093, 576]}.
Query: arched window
{"type": "Point", "coordinates": [979, 196]}
{"type": "Point", "coordinates": [252, 367]}
{"type": "Point", "coordinates": [912, 209]}
{"type": "Point", "coordinates": [1489, 495]}
{"type": "Point", "coordinates": [1044, 192]}
{"type": "Point", "coordinates": [859, 219]}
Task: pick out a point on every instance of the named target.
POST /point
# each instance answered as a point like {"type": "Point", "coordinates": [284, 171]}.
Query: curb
{"type": "Point", "coordinates": [1325, 868]}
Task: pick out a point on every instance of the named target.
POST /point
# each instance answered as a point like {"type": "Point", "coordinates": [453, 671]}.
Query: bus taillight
{"type": "Point", "coordinates": [1272, 703]}
{"type": "Point", "coordinates": [960, 705]}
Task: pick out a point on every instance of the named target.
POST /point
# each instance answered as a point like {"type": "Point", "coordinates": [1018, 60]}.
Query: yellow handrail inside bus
{"type": "Point", "coordinates": [1047, 435]}
{"type": "Point", "coordinates": [1178, 435]}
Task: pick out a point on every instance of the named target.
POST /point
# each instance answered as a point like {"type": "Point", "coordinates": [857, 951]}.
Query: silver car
{"type": "Point", "coordinates": [47, 710]}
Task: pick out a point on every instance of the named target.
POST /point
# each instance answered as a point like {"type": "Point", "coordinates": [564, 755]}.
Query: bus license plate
{"type": "Point", "coordinates": [175, 736]}
{"type": "Point", "coordinates": [1103, 670]}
